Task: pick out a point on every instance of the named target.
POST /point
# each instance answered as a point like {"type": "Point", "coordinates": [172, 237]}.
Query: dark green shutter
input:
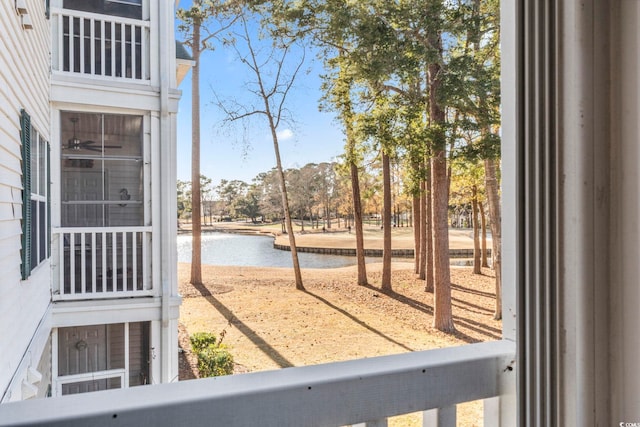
{"type": "Point", "coordinates": [25, 136]}
{"type": "Point", "coordinates": [48, 200]}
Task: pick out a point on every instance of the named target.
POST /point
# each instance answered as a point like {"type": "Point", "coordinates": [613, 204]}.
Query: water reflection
{"type": "Point", "coordinates": [253, 251]}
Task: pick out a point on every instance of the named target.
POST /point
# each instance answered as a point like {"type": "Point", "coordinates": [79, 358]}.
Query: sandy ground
{"type": "Point", "coordinates": [270, 325]}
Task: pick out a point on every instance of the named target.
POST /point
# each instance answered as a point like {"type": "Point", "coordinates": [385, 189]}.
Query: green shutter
{"type": "Point", "coordinates": [25, 136]}
{"type": "Point", "coordinates": [48, 200]}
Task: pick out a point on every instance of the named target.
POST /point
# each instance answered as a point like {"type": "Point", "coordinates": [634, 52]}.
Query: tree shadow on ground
{"type": "Point", "coordinates": [252, 335]}
{"type": "Point", "coordinates": [486, 330]}
{"type": "Point", "coordinates": [358, 321]}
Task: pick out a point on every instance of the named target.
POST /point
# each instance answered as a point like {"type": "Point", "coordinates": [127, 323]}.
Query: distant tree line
{"type": "Point", "coordinates": [320, 196]}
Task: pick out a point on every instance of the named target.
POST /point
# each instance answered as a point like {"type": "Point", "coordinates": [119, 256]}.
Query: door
{"type": "Point", "coordinates": [92, 358]}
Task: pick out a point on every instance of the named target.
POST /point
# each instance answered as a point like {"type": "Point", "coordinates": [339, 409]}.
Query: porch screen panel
{"type": "Point", "coordinates": [102, 170]}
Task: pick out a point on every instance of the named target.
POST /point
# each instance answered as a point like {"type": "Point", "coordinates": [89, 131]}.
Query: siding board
{"type": "Point", "coordinates": [24, 83]}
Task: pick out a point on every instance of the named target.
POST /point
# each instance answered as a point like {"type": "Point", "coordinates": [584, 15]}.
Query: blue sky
{"type": "Point", "coordinates": [316, 137]}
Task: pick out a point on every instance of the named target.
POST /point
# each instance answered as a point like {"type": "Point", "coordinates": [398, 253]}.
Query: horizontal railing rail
{"type": "Point", "coordinates": [365, 391]}
{"type": "Point", "coordinates": [100, 46]}
{"type": "Point", "coordinates": [102, 262]}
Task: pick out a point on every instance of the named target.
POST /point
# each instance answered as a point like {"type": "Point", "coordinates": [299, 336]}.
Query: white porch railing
{"type": "Point", "coordinates": [100, 46]}
{"type": "Point", "coordinates": [102, 262]}
{"type": "Point", "coordinates": [365, 391]}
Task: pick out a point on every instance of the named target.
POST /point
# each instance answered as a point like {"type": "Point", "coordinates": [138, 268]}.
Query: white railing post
{"type": "Point", "coordinates": [441, 417]}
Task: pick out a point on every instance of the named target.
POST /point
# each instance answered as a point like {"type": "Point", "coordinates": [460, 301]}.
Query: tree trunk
{"type": "Point", "coordinates": [417, 232]}
{"type": "Point", "coordinates": [442, 316]}
{"type": "Point", "coordinates": [422, 273]}
{"type": "Point", "coordinates": [491, 184]}
{"type": "Point", "coordinates": [483, 218]}
{"type": "Point", "coordinates": [196, 219]}
{"type": "Point", "coordinates": [357, 216]}
{"type": "Point", "coordinates": [429, 274]}
{"type": "Point", "coordinates": [386, 223]}
{"type": "Point", "coordinates": [285, 203]}
{"type": "Point", "coordinates": [477, 267]}
{"type": "Point", "coordinates": [424, 214]}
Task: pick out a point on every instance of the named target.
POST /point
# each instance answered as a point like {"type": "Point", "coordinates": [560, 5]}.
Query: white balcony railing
{"type": "Point", "coordinates": [361, 392]}
{"type": "Point", "coordinates": [102, 262]}
{"type": "Point", "coordinates": [100, 46]}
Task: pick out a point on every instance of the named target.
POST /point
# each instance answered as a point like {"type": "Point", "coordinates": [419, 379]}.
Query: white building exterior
{"type": "Point", "coordinates": [90, 87]}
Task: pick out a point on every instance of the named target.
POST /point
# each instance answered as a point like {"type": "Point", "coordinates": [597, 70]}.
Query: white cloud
{"type": "Point", "coordinates": [283, 135]}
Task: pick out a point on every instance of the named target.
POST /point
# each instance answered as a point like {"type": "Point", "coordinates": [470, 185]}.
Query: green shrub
{"type": "Point", "coordinates": [202, 340]}
{"type": "Point", "coordinates": [214, 358]}
{"type": "Point", "coordinates": [215, 362]}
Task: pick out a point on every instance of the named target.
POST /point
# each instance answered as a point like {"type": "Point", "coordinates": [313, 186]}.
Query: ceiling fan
{"type": "Point", "coordinates": [76, 144]}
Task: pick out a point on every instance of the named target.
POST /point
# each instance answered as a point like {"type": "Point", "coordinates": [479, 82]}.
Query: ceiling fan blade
{"type": "Point", "coordinates": [112, 146]}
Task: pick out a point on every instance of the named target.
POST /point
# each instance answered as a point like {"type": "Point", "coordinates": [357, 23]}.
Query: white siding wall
{"type": "Point", "coordinates": [24, 83]}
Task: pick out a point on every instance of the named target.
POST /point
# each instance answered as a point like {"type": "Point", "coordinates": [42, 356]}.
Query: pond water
{"type": "Point", "coordinates": [253, 251]}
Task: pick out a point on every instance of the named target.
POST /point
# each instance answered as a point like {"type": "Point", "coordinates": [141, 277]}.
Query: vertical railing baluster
{"type": "Point", "coordinates": [72, 263]}
{"type": "Point", "coordinates": [114, 261]}
{"type": "Point", "coordinates": [134, 268]}
{"type": "Point", "coordinates": [83, 263]}
{"type": "Point", "coordinates": [72, 61]}
{"type": "Point", "coordinates": [94, 267]}
{"type": "Point", "coordinates": [123, 50]}
{"type": "Point", "coordinates": [81, 45]}
{"type": "Point", "coordinates": [440, 417]}
{"type": "Point", "coordinates": [143, 51]}
{"type": "Point", "coordinates": [491, 410]}
{"type": "Point", "coordinates": [92, 45]}
{"type": "Point", "coordinates": [60, 43]}
{"type": "Point", "coordinates": [61, 263]}
{"type": "Point", "coordinates": [125, 286]}
{"type": "Point", "coordinates": [375, 423]}
{"type": "Point", "coordinates": [113, 49]}
{"type": "Point", "coordinates": [103, 32]}
{"type": "Point", "coordinates": [145, 261]}
{"type": "Point", "coordinates": [104, 262]}
{"type": "Point", "coordinates": [133, 52]}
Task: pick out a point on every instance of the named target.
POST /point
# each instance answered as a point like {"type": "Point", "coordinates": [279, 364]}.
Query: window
{"type": "Point", "coordinates": [36, 227]}
{"type": "Point", "coordinates": [102, 171]}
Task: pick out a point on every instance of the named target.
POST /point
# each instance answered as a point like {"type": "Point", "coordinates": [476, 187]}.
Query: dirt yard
{"type": "Point", "coordinates": [270, 325]}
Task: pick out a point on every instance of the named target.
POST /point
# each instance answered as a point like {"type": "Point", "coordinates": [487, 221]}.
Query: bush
{"type": "Point", "coordinates": [202, 340]}
{"type": "Point", "coordinates": [214, 358]}
{"type": "Point", "coordinates": [215, 362]}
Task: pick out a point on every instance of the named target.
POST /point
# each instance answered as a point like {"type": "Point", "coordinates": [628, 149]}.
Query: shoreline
{"type": "Point", "coordinates": [341, 242]}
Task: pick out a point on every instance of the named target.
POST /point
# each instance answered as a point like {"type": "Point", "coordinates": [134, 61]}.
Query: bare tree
{"type": "Point", "coordinates": [274, 79]}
